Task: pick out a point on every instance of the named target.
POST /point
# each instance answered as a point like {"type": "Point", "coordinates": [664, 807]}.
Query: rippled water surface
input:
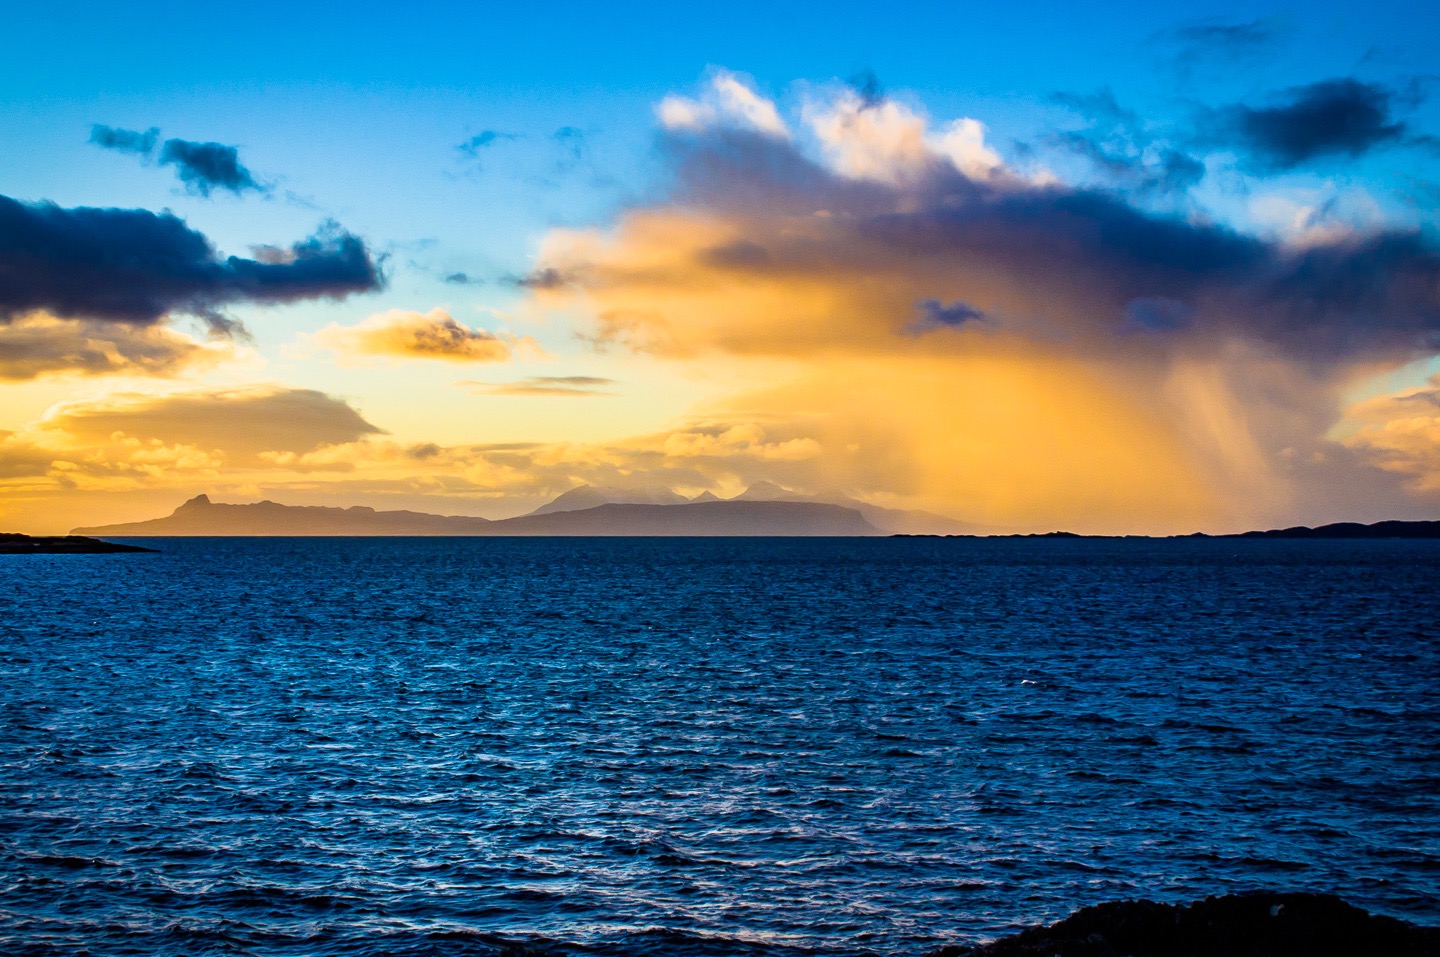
{"type": "Point", "coordinates": [702, 747]}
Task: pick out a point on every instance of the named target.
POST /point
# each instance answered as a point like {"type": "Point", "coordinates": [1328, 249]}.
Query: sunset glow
{"type": "Point", "coordinates": [1090, 299]}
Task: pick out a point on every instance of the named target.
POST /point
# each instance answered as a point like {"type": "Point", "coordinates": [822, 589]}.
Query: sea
{"type": "Point", "coordinates": [702, 746]}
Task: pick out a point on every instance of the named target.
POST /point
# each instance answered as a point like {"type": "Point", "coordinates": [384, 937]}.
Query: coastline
{"type": "Point", "coordinates": [1258, 924]}
{"type": "Point", "coordinates": [13, 543]}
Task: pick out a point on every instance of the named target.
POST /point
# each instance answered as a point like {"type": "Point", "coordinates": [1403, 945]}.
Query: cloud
{"type": "Point", "coordinates": [571, 142]}
{"type": "Point", "coordinates": [233, 425]}
{"type": "Point", "coordinates": [837, 258]}
{"type": "Point", "coordinates": [1120, 145]}
{"type": "Point", "coordinates": [204, 167]}
{"type": "Point", "coordinates": [728, 452]}
{"type": "Point", "coordinates": [129, 446]}
{"type": "Point", "coordinates": [543, 279]}
{"type": "Point", "coordinates": [1166, 169]}
{"type": "Point", "coordinates": [1156, 314]}
{"type": "Point", "coordinates": [1140, 368]}
{"type": "Point", "coordinates": [889, 142]}
{"type": "Point", "coordinates": [729, 101]}
{"type": "Point", "coordinates": [1228, 36]}
{"type": "Point", "coordinates": [1220, 43]}
{"type": "Point", "coordinates": [935, 314]}
{"type": "Point", "coordinates": [1215, 49]}
{"type": "Point", "coordinates": [135, 266]}
{"type": "Point", "coordinates": [482, 141]}
{"type": "Point", "coordinates": [125, 141]}
{"type": "Point", "coordinates": [747, 439]}
{"type": "Point", "coordinates": [1340, 117]}
{"type": "Point", "coordinates": [461, 279]}
{"type": "Point", "coordinates": [401, 333]}
{"type": "Point", "coordinates": [40, 345]}
{"type": "Point", "coordinates": [1101, 108]}
{"type": "Point", "coordinates": [569, 385]}
{"type": "Point", "coordinates": [1401, 432]}
{"type": "Point", "coordinates": [868, 87]}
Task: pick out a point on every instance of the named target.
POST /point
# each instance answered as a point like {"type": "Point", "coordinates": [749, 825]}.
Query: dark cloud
{"type": "Point", "coordinates": [1177, 170]}
{"type": "Point", "coordinates": [1365, 294]}
{"type": "Point", "coordinates": [462, 279]}
{"type": "Point", "coordinates": [135, 266]}
{"type": "Point", "coordinates": [935, 314]}
{"type": "Point", "coordinates": [1072, 258]}
{"type": "Point", "coordinates": [125, 141]}
{"type": "Point", "coordinates": [204, 167]}
{"type": "Point", "coordinates": [1343, 117]}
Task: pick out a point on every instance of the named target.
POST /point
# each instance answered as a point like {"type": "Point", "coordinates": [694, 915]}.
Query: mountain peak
{"type": "Point", "coordinates": [764, 491]}
{"type": "Point", "coordinates": [199, 501]}
{"type": "Point", "coordinates": [589, 496]}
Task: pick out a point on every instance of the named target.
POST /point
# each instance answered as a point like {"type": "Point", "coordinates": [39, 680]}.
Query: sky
{"type": "Point", "coordinates": [1027, 266]}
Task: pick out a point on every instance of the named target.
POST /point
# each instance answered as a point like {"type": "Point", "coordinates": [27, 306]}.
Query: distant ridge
{"type": "Point", "coordinates": [202, 517]}
{"type": "Point", "coordinates": [1391, 529]}
{"type": "Point", "coordinates": [784, 514]}
{"type": "Point", "coordinates": [1388, 529]}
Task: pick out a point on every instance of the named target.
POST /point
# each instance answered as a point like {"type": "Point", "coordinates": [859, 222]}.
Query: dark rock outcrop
{"type": "Point", "coordinates": [13, 543]}
{"type": "Point", "coordinates": [1239, 925]}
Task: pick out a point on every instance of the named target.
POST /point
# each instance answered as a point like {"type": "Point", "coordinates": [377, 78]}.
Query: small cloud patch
{"type": "Point", "coordinates": [936, 314]}
{"type": "Point", "coordinates": [569, 385]}
{"type": "Point", "coordinates": [202, 167]}
{"type": "Point", "coordinates": [406, 334]}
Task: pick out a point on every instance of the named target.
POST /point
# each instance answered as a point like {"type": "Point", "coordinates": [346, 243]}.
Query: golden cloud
{"type": "Point", "coordinates": [406, 334]}
{"type": "Point", "coordinates": [38, 345]}
{"type": "Point", "coordinates": [1402, 432]}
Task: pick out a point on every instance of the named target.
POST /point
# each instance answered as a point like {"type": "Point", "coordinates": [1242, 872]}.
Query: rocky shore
{"type": "Point", "coordinates": [13, 543]}
{"type": "Point", "coordinates": [1239, 925]}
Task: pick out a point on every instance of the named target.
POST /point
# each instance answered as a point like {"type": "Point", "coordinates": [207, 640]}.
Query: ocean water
{"type": "Point", "coordinates": [430, 746]}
